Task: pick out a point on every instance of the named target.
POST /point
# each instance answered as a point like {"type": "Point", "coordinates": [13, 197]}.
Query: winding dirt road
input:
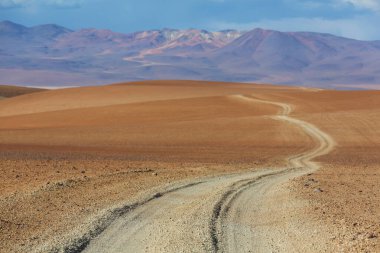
{"type": "Point", "coordinates": [246, 212]}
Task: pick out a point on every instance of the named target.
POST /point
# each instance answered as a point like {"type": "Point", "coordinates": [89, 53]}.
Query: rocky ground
{"type": "Point", "coordinates": [345, 194]}
{"type": "Point", "coordinates": [65, 161]}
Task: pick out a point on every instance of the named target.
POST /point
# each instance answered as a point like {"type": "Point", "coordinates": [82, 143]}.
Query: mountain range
{"type": "Point", "coordinates": [51, 55]}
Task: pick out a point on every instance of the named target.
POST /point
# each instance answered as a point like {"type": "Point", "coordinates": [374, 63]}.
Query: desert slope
{"type": "Point", "coordinates": [74, 153]}
{"type": "Point", "coordinates": [350, 173]}
{"type": "Point", "coordinates": [216, 205]}
{"type": "Point", "coordinates": [67, 156]}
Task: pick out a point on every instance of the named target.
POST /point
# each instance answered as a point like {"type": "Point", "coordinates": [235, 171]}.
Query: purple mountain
{"type": "Point", "coordinates": [51, 55]}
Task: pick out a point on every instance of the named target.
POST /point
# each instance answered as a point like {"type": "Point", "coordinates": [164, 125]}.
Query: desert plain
{"type": "Point", "coordinates": [75, 161]}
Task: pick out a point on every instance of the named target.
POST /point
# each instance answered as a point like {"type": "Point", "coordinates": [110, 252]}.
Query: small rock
{"type": "Point", "coordinates": [318, 190]}
{"type": "Point", "coordinates": [157, 195]}
{"type": "Point", "coordinates": [372, 236]}
{"type": "Point", "coordinates": [154, 174]}
{"type": "Point", "coordinates": [83, 171]}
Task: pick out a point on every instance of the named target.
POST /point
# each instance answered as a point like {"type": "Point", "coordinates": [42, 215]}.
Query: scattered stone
{"type": "Point", "coordinates": [157, 195]}
{"type": "Point", "coordinates": [318, 190]}
{"type": "Point", "coordinates": [154, 174]}
{"type": "Point", "coordinates": [372, 236]}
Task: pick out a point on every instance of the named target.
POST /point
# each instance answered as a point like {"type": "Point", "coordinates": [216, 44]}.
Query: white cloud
{"type": "Point", "coordinates": [359, 27]}
{"type": "Point", "coordinates": [64, 3]}
{"type": "Point", "coordinates": [12, 3]}
{"type": "Point", "coordinates": [373, 5]}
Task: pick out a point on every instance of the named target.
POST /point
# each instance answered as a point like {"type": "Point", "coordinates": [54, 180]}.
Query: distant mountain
{"type": "Point", "coordinates": [301, 58]}
{"type": "Point", "coordinates": [8, 28]}
{"type": "Point", "coordinates": [54, 55]}
{"type": "Point", "coordinates": [20, 32]}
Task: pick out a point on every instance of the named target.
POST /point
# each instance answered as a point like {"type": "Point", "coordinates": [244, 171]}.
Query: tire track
{"type": "Point", "coordinates": [303, 162]}
{"type": "Point", "coordinates": [222, 207]}
{"type": "Point", "coordinates": [197, 217]}
{"type": "Point", "coordinates": [79, 244]}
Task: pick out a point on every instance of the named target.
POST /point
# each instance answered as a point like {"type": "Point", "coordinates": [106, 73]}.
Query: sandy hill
{"type": "Point", "coordinates": [67, 155]}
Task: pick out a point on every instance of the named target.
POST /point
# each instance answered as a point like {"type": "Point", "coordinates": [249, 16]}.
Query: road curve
{"type": "Point", "coordinates": [243, 212]}
{"type": "Point", "coordinates": [243, 223]}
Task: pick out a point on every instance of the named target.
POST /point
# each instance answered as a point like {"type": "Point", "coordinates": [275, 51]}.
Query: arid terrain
{"type": "Point", "coordinates": [184, 166]}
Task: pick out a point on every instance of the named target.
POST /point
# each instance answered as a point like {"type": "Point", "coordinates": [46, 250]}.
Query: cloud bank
{"type": "Point", "coordinates": [373, 5]}
{"type": "Point", "coordinates": [27, 3]}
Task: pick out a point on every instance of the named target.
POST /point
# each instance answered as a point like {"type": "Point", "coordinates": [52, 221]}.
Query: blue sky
{"type": "Point", "coordinates": [351, 18]}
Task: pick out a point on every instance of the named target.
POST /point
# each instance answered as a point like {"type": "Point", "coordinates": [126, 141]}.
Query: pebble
{"type": "Point", "coordinates": [372, 236]}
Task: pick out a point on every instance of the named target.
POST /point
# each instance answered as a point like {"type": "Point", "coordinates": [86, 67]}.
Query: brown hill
{"type": "Point", "coordinates": [68, 155]}
{"type": "Point", "coordinates": [7, 91]}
